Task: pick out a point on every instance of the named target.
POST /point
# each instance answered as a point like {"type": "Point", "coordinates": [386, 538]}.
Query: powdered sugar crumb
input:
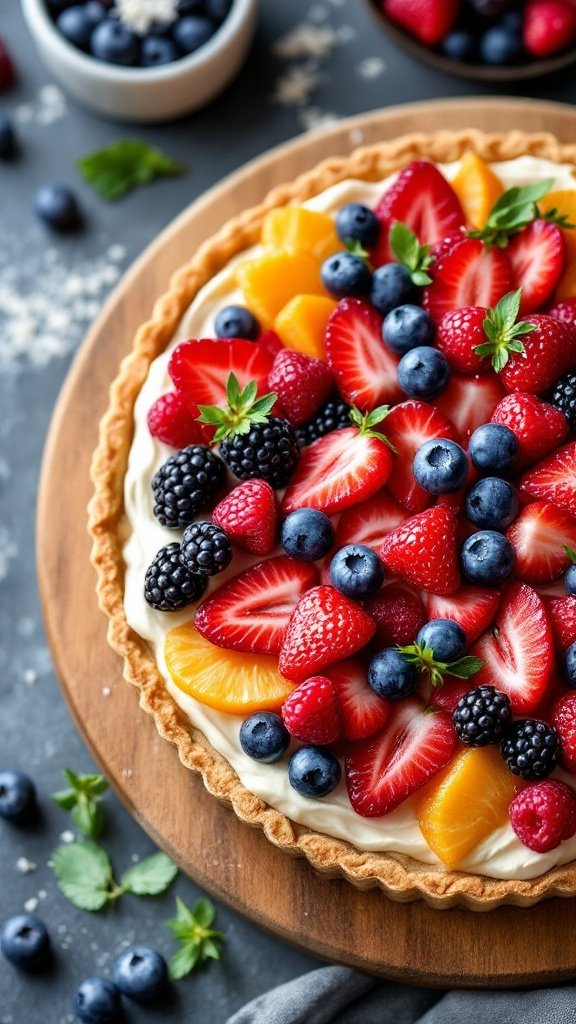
{"type": "Point", "coordinates": [296, 85]}
{"type": "Point", "coordinates": [31, 905]}
{"type": "Point", "coordinates": [67, 836]}
{"type": "Point", "coordinates": [8, 549]}
{"type": "Point", "coordinates": [25, 866]}
{"type": "Point", "coordinates": [307, 40]}
{"type": "Point", "coordinates": [48, 107]}
{"type": "Point", "coordinates": [371, 67]}
{"type": "Point", "coordinates": [314, 119]}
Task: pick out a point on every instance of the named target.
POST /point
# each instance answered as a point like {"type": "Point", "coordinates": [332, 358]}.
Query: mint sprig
{"type": "Point", "coordinates": [514, 210]}
{"type": "Point", "coordinates": [367, 421]}
{"type": "Point", "coordinates": [355, 248]}
{"type": "Point", "coordinates": [85, 875]}
{"type": "Point", "coordinates": [82, 801]}
{"type": "Point", "coordinates": [198, 941]}
{"type": "Point", "coordinates": [244, 408]}
{"type": "Point", "coordinates": [503, 331]}
{"type": "Point", "coordinates": [125, 165]}
{"type": "Point", "coordinates": [571, 553]}
{"type": "Point", "coordinates": [423, 658]}
{"type": "Point", "coordinates": [408, 251]}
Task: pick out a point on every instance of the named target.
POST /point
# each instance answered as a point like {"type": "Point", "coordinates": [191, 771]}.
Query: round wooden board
{"type": "Point", "coordinates": [328, 918]}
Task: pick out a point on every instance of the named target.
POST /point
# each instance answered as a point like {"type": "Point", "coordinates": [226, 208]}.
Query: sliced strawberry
{"type": "Point", "coordinates": [249, 515]}
{"type": "Point", "coordinates": [470, 401]}
{"type": "Point", "coordinates": [554, 479]}
{"type": "Point", "coordinates": [200, 369]}
{"type": "Point", "coordinates": [473, 608]}
{"type": "Point", "coordinates": [421, 198]}
{"type": "Point", "coordinates": [364, 368]}
{"type": "Point", "coordinates": [446, 244]}
{"type": "Point", "coordinates": [337, 471]}
{"type": "Point", "coordinates": [311, 712]}
{"type": "Point", "coordinates": [562, 615]}
{"type": "Point", "coordinates": [302, 384]}
{"type": "Point", "coordinates": [424, 551]}
{"type": "Point", "coordinates": [362, 712]}
{"type": "Point", "coordinates": [468, 275]}
{"type": "Point", "coordinates": [383, 770]}
{"type": "Point", "coordinates": [518, 652]}
{"type": "Point", "coordinates": [325, 627]}
{"type": "Point", "coordinates": [539, 427]}
{"type": "Point", "coordinates": [370, 522]}
{"type": "Point", "coordinates": [447, 696]}
{"type": "Point", "coordinates": [538, 256]}
{"type": "Point", "coordinates": [398, 613]}
{"type": "Point", "coordinates": [251, 611]}
{"type": "Point", "coordinates": [540, 535]}
{"type": "Point", "coordinates": [408, 426]}
{"type": "Point", "coordinates": [427, 20]}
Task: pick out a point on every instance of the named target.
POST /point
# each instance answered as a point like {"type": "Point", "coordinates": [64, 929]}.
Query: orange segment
{"type": "Point", "coordinates": [271, 281]}
{"type": "Point", "coordinates": [226, 680]}
{"type": "Point", "coordinates": [477, 188]}
{"type": "Point", "coordinates": [465, 803]}
{"type": "Point", "coordinates": [302, 322]}
{"type": "Point", "coordinates": [296, 229]}
{"type": "Point", "coordinates": [564, 201]}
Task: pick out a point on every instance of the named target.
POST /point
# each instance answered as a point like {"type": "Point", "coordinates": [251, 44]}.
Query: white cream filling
{"type": "Point", "coordinates": [500, 855]}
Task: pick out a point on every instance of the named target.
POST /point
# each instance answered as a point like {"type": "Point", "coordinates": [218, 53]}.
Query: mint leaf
{"type": "Point", "coordinates": [514, 210]}
{"type": "Point", "coordinates": [150, 877]}
{"type": "Point", "coordinates": [503, 331]}
{"type": "Point", "coordinates": [423, 658]}
{"type": "Point", "coordinates": [82, 800]}
{"type": "Point", "coordinates": [408, 251]}
{"type": "Point", "coordinates": [84, 874]}
{"type": "Point", "coordinates": [124, 165]}
{"type": "Point", "coordinates": [367, 421]}
{"type": "Point", "coordinates": [571, 553]}
{"type": "Point", "coordinates": [464, 667]}
{"type": "Point", "coordinates": [197, 940]}
{"type": "Point", "coordinates": [243, 409]}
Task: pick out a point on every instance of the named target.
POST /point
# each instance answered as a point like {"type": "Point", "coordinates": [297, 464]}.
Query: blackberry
{"type": "Point", "coordinates": [531, 749]}
{"type": "Point", "coordinates": [333, 415]}
{"type": "Point", "coordinates": [205, 548]}
{"type": "Point", "coordinates": [482, 716]}
{"type": "Point", "coordinates": [169, 585]}
{"type": "Point", "coordinates": [564, 397]}
{"type": "Point", "coordinates": [187, 482]}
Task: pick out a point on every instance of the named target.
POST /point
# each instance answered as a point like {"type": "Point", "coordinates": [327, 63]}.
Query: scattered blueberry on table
{"type": "Point", "coordinates": [25, 942]}
{"type": "Point", "coordinates": [17, 797]}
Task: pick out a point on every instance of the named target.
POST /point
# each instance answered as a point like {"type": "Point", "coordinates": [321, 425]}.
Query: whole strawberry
{"type": "Point", "coordinates": [549, 27]}
{"type": "Point", "coordinates": [460, 333]}
{"type": "Point", "coordinates": [302, 384]}
{"type": "Point", "coordinates": [310, 713]}
{"type": "Point", "coordinates": [539, 427]}
{"type": "Point", "coordinates": [249, 516]}
{"type": "Point", "coordinates": [424, 551]}
{"type": "Point", "coordinates": [325, 627]}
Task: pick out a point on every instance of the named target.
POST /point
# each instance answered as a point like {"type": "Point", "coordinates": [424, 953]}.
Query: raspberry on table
{"type": "Point", "coordinates": [544, 814]}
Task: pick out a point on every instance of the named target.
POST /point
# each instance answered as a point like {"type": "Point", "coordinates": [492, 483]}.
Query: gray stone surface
{"type": "Point", "coordinates": [50, 289]}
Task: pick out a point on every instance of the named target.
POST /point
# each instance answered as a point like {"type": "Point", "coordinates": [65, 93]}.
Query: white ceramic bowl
{"type": "Point", "coordinates": [146, 94]}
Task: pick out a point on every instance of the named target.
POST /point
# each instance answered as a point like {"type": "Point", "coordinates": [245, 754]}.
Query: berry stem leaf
{"type": "Point", "coordinates": [562, 220]}
{"type": "Point", "coordinates": [408, 251]}
{"type": "Point", "coordinates": [367, 421]}
{"type": "Point", "coordinates": [503, 331]}
{"type": "Point", "coordinates": [149, 877]}
{"type": "Point", "coordinates": [514, 210]}
{"type": "Point", "coordinates": [199, 942]}
{"type": "Point", "coordinates": [89, 817]}
{"type": "Point", "coordinates": [464, 668]}
{"type": "Point", "coordinates": [244, 409]}
{"type": "Point", "coordinates": [571, 553]}
{"type": "Point", "coordinates": [423, 658]}
{"type": "Point", "coordinates": [84, 874]}
{"type": "Point", "coordinates": [355, 248]}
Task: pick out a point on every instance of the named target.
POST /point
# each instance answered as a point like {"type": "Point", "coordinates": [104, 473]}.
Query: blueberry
{"type": "Point", "coordinates": [114, 43]}
{"type": "Point", "coordinates": [492, 503]}
{"type": "Point", "coordinates": [156, 50]}
{"type": "Point", "coordinates": [513, 21]}
{"type": "Point", "coordinates": [189, 6]}
{"type": "Point", "coordinates": [356, 571]}
{"type": "Point", "coordinates": [445, 638]}
{"type": "Point", "coordinates": [98, 1001]}
{"type": "Point", "coordinates": [423, 373]}
{"type": "Point", "coordinates": [500, 46]}
{"type": "Point", "coordinates": [56, 205]}
{"type": "Point", "coordinates": [264, 737]}
{"type": "Point", "coordinates": [344, 274]}
{"type": "Point", "coordinates": [78, 23]}
{"type": "Point", "coordinates": [459, 45]}
{"type": "Point", "coordinates": [570, 666]}
{"type": "Point", "coordinates": [391, 676]}
{"type": "Point", "coordinates": [440, 466]}
{"type": "Point", "coordinates": [7, 137]}
{"type": "Point", "coordinates": [56, 6]}
{"type": "Point", "coordinates": [358, 222]}
{"type": "Point", "coordinates": [25, 942]}
{"type": "Point", "coordinates": [392, 286]}
{"type": "Point", "coordinates": [570, 580]}
{"type": "Point", "coordinates": [307, 534]}
{"type": "Point", "coordinates": [17, 796]}
{"type": "Point", "coordinates": [407, 327]}
{"type": "Point", "coordinates": [217, 9]}
{"type": "Point", "coordinates": [141, 974]}
{"type": "Point", "coordinates": [487, 558]}
{"type": "Point", "coordinates": [494, 448]}
{"type": "Point", "coordinates": [191, 32]}
{"type": "Point", "coordinates": [314, 771]}
{"type": "Point", "coordinates": [236, 322]}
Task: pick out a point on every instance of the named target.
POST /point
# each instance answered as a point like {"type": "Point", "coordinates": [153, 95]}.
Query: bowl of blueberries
{"type": "Point", "coordinates": [142, 60]}
{"type": "Point", "coordinates": [489, 40]}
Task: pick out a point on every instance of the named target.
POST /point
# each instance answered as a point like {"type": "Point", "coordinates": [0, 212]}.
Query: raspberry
{"type": "Point", "coordinates": [250, 516]}
{"type": "Point", "coordinates": [302, 384]}
{"type": "Point", "coordinates": [310, 713]}
{"type": "Point", "coordinates": [170, 421]}
{"type": "Point", "coordinates": [543, 815]}
{"type": "Point", "coordinates": [447, 696]}
{"type": "Point", "coordinates": [564, 721]}
{"type": "Point", "coordinates": [398, 614]}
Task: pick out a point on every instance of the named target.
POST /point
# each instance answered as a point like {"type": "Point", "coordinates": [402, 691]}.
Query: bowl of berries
{"type": "Point", "coordinates": [489, 40]}
{"type": "Point", "coordinates": [142, 60]}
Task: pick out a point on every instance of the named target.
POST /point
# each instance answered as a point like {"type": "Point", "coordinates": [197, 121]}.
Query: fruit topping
{"type": "Point", "coordinates": [391, 675]}
{"type": "Point", "coordinates": [301, 323]}
{"type": "Point", "coordinates": [570, 666]}
{"type": "Point", "coordinates": [301, 383]}
{"type": "Point", "coordinates": [421, 198]}
{"type": "Point", "coordinates": [423, 373]}
{"type": "Point", "coordinates": [200, 369]}
{"type": "Point", "coordinates": [554, 479]}
{"type": "Point", "coordinates": [531, 749]}
{"type": "Point", "coordinates": [170, 420]}
{"type": "Point", "coordinates": [408, 427]}
{"type": "Point", "coordinates": [477, 186]}
{"type": "Point", "coordinates": [296, 229]}
{"type": "Point", "coordinates": [423, 550]}
{"type": "Point", "coordinates": [357, 223]}
{"type": "Point", "coordinates": [187, 483]}
{"type": "Point", "coordinates": [314, 772]}
{"type": "Point", "coordinates": [473, 608]}
{"type": "Point", "coordinates": [333, 415]}
{"type": "Point", "coordinates": [398, 613]}
{"type": "Point", "coordinates": [541, 535]}
{"type": "Point", "coordinates": [494, 448]}
{"type": "Point", "coordinates": [270, 281]}
{"type": "Point", "coordinates": [406, 327]}
{"type": "Point", "coordinates": [251, 611]}
{"type": "Point", "coordinates": [311, 712]}
{"type": "Point", "coordinates": [487, 558]}
{"type": "Point", "coordinates": [470, 401]}
{"type": "Point", "coordinates": [169, 585]}
{"type": "Point", "coordinates": [365, 370]}
{"type": "Point", "coordinates": [249, 516]}
{"type": "Point", "coordinates": [537, 255]}
{"type": "Point", "coordinates": [440, 466]}
{"type": "Point", "coordinates": [562, 614]}
{"type": "Point", "coordinates": [362, 712]}
{"type": "Point", "coordinates": [205, 548]}
{"type": "Point", "coordinates": [392, 286]}
{"type": "Point", "coordinates": [346, 274]}
{"type": "Point", "coordinates": [370, 522]}
{"type": "Point", "coordinates": [482, 716]}
{"type": "Point", "coordinates": [236, 322]}
{"type": "Point", "coordinates": [492, 504]}
{"type": "Point", "coordinates": [563, 399]}
{"type": "Point", "coordinates": [324, 628]}
{"type": "Point", "coordinates": [460, 333]}
{"type": "Point", "coordinates": [307, 534]}
{"type": "Point", "coordinates": [385, 769]}
{"type": "Point", "coordinates": [537, 425]}
{"type": "Point", "coordinates": [469, 274]}
{"type": "Point", "coordinates": [356, 571]}
{"type": "Point", "coordinates": [564, 721]}
{"type": "Point", "coordinates": [225, 680]}
{"type": "Point", "coordinates": [264, 737]}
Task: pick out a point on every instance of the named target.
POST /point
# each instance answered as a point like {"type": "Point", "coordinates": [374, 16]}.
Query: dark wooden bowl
{"type": "Point", "coordinates": [480, 72]}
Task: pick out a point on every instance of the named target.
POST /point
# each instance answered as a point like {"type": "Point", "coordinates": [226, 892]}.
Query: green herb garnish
{"type": "Point", "coordinates": [408, 251]}
{"type": "Point", "coordinates": [244, 408]}
{"type": "Point", "coordinates": [512, 212]}
{"type": "Point", "coordinates": [86, 878]}
{"type": "Point", "coordinates": [125, 165]}
{"type": "Point", "coordinates": [82, 801]}
{"type": "Point", "coordinates": [423, 658]}
{"type": "Point", "coordinates": [198, 941]}
{"type": "Point", "coordinates": [503, 331]}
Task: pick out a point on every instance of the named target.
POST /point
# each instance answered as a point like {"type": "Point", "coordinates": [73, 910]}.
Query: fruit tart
{"type": "Point", "coordinates": [334, 518]}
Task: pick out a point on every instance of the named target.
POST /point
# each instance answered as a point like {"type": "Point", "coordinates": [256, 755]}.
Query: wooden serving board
{"type": "Point", "coordinates": [329, 918]}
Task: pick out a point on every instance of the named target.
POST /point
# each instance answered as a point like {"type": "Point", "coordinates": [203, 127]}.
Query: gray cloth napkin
{"type": "Point", "coordinates": [339, 995]}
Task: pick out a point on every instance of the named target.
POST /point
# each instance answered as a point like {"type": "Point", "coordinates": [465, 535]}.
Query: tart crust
{"type": "Point", "coordinates": [402, 878]}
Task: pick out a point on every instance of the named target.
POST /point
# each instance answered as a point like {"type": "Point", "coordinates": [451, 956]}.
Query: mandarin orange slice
{"type": "Point", "coordinates": [477, 188]}
{"type": "Point", "coordinates": [296, 229]}
{"type": "Point", "coordinates": [226, 680]}
{"type": "Point", "coordinates": [270, 281]}
{"type": "Point", "coordinates": [301, 323]}
{"type": "Point", "coordinates": [467, 801]}
{"type": "Point", "coordinates": [564, 201]}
